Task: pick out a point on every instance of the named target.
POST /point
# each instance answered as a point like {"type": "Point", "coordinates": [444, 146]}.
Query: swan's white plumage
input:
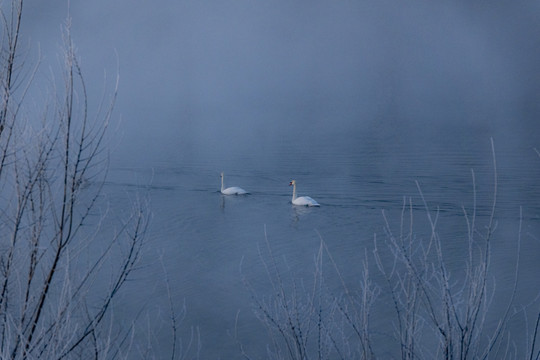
{"type": "Point", "coordinates": [302, 200]}
{"type": "Point", "coordinates": [305, 201]}
{"type": "Point", "coordinates": [233, 190]}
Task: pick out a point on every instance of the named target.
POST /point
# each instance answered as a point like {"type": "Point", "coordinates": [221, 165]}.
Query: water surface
{"type": "Point", "coordinates": [207, 243]}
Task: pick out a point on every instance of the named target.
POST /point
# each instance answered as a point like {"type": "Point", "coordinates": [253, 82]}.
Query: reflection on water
{"type": "Point", "coordinates": [209, 241]}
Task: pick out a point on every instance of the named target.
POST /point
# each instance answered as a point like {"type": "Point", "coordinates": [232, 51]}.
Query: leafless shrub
{"type": "Point", "coordinates": [305, 320]}
{"type": "Point", "coordinates": [440, 311]}
{"type": "Point", "coordinates": [428, 300]}
{"type": "Point", "coordinates": [53, 303]}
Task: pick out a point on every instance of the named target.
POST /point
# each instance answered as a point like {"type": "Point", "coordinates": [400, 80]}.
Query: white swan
{"type": "Point", "coordinates": [302, 200]}
{"type": "Point", "coordinates": [234, 190]}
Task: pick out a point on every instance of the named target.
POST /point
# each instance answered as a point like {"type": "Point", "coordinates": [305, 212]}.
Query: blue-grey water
{"type": "Point", "coordinates": [207, 243]}
{"type": "Point", "coordinates": [358, 101]}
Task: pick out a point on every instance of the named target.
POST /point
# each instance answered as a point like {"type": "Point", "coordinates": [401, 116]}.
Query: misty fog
{"type": "Point", "coordinates": [218, 77]}
{"type": "Point", "coordinates": [357, 100]}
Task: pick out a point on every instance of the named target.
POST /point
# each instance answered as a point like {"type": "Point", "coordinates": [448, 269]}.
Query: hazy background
{"type": "Point", "coordinates": [357, 100]}
{"type": "Point", "coordinates": [206, 77]}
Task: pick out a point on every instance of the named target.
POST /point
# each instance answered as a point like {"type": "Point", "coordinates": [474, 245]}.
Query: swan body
{"type": "Point", "coordinates": [233, 190]}
{"type": "Point", "coordinates": [302, 200]}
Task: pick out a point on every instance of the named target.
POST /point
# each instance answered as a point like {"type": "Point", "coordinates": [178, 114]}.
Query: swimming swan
{"type": "Point", "coordinates": [302, 200]}
{"type": "Point", "coordinates": [234, 190]}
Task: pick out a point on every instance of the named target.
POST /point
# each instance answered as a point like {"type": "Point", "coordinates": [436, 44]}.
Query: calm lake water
{"type": "Point", "coordinates": [361, 102]}
{"type": "Point", "coordinates": [207, 243]}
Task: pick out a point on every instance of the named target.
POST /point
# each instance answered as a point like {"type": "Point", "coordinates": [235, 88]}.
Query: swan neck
{"type": "Point", "coordinates": [222, 188]}
{"type": "Point", "coordinates": [294, 192]}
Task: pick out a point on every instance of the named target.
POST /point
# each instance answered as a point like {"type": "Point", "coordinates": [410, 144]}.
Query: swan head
{"type": "Point", "coordinates": [221, 174]}
{"type": "Point", "coordinates": [293, 182]}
